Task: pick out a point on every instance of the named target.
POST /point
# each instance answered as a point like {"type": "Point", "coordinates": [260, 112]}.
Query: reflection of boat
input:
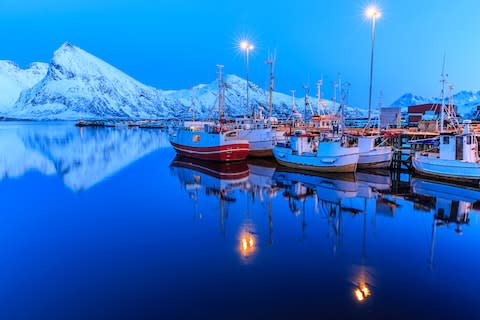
{"type": "Point", "coordinates": [327, 187]}
{"type": "Point", "coordinates": [219, 170]}
{"type": "Point", "coordinates": [309, 152]}
{"type": "Point", "coordinates": [206, 179]}
{"type": "Point", "coordinates": [451, 205]}
{"type": "Point", "coordinates": [371, 182]}
{"type": "Point", "coordinates": [445, 191]}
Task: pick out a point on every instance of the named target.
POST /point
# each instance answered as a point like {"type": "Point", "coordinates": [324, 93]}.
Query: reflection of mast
{"type": "Point", "coordinates": [364, 241]}
{"type": "Point", "coordinates": [223, 213]}
{"type": "Point", "coordinates": [304, 223]}
{"type": "Point", "coordinates": [270, 221]}
{"type": "Point", "coordinates": [432, 247]}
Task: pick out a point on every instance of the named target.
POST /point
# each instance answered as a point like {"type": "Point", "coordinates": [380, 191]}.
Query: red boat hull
{"type": "Point", "coordinates": [229, 152]}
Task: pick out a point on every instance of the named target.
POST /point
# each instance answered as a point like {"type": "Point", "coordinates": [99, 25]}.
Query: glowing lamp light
{"type": "Point", "coordinates": [373, 12]}
{"type": "Point", "coordinates": [245, 45]}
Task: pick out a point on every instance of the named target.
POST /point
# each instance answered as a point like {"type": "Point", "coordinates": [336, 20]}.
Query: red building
{"type": "Point", "coordinates": [415, 113]}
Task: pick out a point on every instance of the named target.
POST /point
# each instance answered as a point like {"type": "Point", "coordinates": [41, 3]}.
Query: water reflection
{"type": "Point", "coordinates": [365, 193]}
{"type": "Point", "coordinates": [451, 205]}
{"type": "Point", "coordinates": [184, 231]}
{"type": "Point", "coordinates": [83, 157]}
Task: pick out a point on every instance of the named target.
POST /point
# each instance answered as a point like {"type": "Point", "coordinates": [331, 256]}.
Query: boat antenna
{"type": "Point", "coordinates": [221, 99]}
{"type": "Point", "coordinates": [271, 62]}
{"type": "Point", "coordinates": [444, 82]}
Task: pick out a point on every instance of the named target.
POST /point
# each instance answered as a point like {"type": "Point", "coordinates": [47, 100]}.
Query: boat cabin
{"type": "Point", "coordinates": [367, 143]}
{"type": "Point", "coordinates": [303, 143]}
{"type": "Point", "coordinates": [251, 123]}
{"type": "Point", "coordinates": [463, 147]}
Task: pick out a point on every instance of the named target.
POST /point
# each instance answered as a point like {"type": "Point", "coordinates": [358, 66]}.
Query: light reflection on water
{"type": "Point", "coordinates": [110, 218]}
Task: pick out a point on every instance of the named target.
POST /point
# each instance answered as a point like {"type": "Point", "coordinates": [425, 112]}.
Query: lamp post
{"type": "Point", "coordinates": [247, 47]}
{"type": "Point", "coordinates": [372, 13]}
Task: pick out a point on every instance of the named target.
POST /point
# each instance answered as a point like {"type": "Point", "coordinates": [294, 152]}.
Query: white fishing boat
{"type": "Point", "coordinates": [318, 153]}
{"type": "Point", "coordinates": [210, 140]}
{"type": "Point", "coordinates": [374, 153]}
{"type": "Point", "coordinates": [259, 134]}
{"type": "Point", "coordinates": [457, 157]}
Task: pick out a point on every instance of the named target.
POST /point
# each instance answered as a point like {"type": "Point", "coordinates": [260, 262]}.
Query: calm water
{"type": "Point", "coordinates": [106, 223]}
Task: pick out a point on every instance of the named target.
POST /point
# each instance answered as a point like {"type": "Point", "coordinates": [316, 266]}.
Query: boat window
{"type": "Point", "coordinates": [446, 140]}
{"type": "Point", "coordinates": [231, 134]}
{"type": "Point", "coordinates": [196, 138]}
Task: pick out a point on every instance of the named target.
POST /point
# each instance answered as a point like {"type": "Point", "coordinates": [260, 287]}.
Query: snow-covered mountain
{"type": "Point", "coordinates": [80, 85]}
{"type": "Point", "coordinates": [466, 101]}
{"type": "Point", "coordinates": [13, 80]}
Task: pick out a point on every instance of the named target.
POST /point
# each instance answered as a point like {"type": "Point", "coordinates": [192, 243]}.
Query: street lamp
{"type": "Point", "coordinates": [372, 13]}
{"type": "Point", "coordinates": [247, 47]}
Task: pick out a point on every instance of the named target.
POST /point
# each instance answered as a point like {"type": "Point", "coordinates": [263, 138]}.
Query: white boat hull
{"type": "Point", "coordinates": [380, 157]}
{"type": "Point", "coordinates": [447, 169]}
{"type": "Point", "coordinates": [346, 162]}
{"type": "Point", "coordinates": [260, 141]}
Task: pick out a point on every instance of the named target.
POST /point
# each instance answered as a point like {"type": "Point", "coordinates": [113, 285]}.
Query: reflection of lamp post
{"type": "Point", "coordinates": [247, 244]}
{"type": "Point", "coordinates": [373, 13]}
{"type": "Point", "coordinates": [362, 293]}
{"type": "Point", "coordinates": [247, 47]}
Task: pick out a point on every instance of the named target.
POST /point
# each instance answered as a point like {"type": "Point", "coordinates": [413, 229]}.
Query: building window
{"type": "Point", "coordinates": [196, 138]}
{"type": "Point", "coordinates": [446, 140]}
{"type": "Point", "coordinates": [469, 139]}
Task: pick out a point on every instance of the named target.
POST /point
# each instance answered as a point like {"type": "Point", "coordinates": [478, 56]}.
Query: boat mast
{"type": "Point", "coordinates": [335, 111]}
{"type": "Point", "coordinates": [442, 110]}
{"type": "Point", "coordinates": [221, 98]}
{"type": "Point", "coordinates": [192, 108]}
{"type": "Point", "coordinates": [380, 98]}
{"type": "Point", "coordinates": [319, 93]}
{"type": "Point", "coordinates": [293, 101]}
{"type": "Point", "coordinates": [307, 103]}
{"type": "Point", "coordinates": [271, 63]}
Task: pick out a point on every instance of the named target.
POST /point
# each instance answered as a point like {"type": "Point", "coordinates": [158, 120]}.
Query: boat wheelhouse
{"type": "Point", "coordinates": [374, 153]}
{"type": "Point", "coordinates": [457, 157]}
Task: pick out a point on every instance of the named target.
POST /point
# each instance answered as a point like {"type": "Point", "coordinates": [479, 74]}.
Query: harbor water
{"type": "Point", "coordinates": [107, 223]}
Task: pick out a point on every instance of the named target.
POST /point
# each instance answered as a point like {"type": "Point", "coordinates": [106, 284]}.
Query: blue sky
{"type": "Point", "coordinates": [173, 44]}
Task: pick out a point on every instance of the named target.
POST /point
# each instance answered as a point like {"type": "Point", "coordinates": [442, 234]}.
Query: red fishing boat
{"type": "Point", "coordinates": [211, 140]}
